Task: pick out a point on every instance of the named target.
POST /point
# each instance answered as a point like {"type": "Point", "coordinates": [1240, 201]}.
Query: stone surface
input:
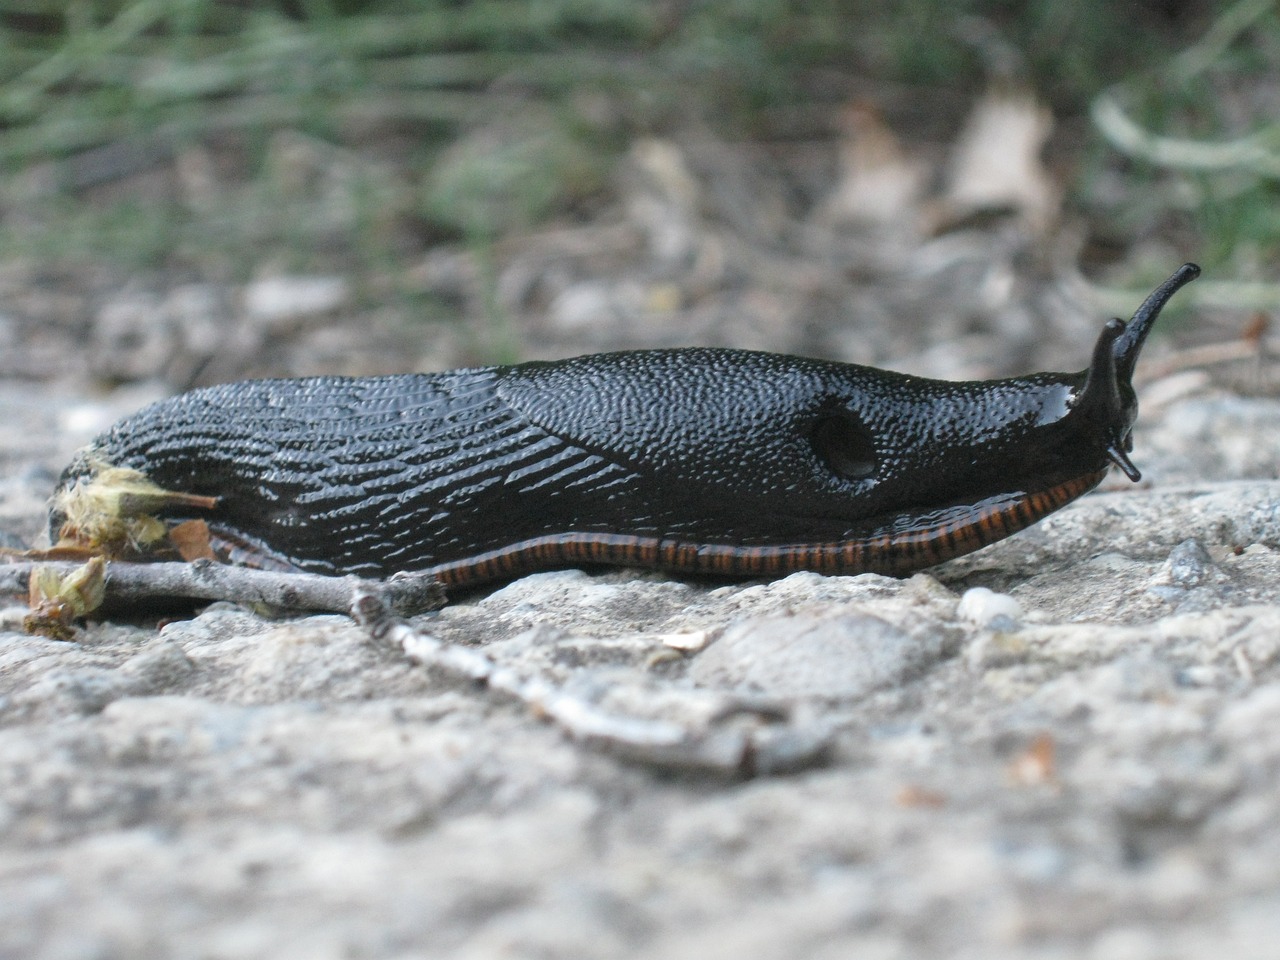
{"type": "Point", "coordinates": [836, 655]}
{"type": "Point", "coordinates": [1066, 745]}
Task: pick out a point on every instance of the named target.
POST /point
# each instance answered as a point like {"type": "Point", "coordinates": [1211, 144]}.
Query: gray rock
{"type": "Point", "coordinates": [842, 655]}
{"type": "Point", "coordinates": [1189, 565]}
{"type": "Point", "coordinates": [1212, 438]}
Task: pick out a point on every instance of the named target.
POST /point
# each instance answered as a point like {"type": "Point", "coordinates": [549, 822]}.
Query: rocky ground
{"type": "Point", "coordinates": [1083, 763]}
{"type": "Point", "coordinates": [1066, 745]}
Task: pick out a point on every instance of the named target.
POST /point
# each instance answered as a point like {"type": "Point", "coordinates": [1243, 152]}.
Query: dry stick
{"type": "Point", "coordinates": [727, 750]}
{"type": "Point", "coordinates": [406, 593]}
{"type": "Point", "coordinates": [378, 606]}
{"type": "Point", "coordinates": [1207, 355]}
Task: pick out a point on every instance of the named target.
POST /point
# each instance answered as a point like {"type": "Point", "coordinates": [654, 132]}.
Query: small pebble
{"type": "Point", "coordinates": [811, 655]}
{"type": "Point", "coordinates": [690, 642]}
{"type": "Point", "coordinates": [1189, 565]}
{"type": "Point", "coordinates": [987, 608]}
{"type": "Point", "coordinates": [274, 299]}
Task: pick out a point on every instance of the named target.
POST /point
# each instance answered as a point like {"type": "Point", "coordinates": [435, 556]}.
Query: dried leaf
{"type": "Point", "coordinates": [192, 541]}
{"type": "Point", "coordinates": [916, 796]}
{"type": "Point", "coordinates": [879, 182]}
{"type": "Point", "coordinates": [1255, 330]}
{"type": "Point", "coordinates": [996, 165]}
{"type": "Point", "coordinates": [663, 199]}
{"type": "Point", "coordinates": [57, 599]}
{"type": "Point", "coordinates": [1037, 764]}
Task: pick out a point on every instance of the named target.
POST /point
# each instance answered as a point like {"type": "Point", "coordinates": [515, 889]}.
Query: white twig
{"type": "Point", "coordinates": [407, 593]}
{"type": "Point", "coordinates": [1255, 153]}
{"type": "Point", "coordinates": [719, 749]}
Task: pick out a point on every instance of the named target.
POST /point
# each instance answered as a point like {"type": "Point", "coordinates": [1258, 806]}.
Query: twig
{"type": "Point", "coordinates": [1251, 153]}
{"type": "Point", "coordinates": [1206, 355]}
{"type": "Point", "coordinates": [407, 593]}
{"type": "Point", "coordinates": [724, 749]}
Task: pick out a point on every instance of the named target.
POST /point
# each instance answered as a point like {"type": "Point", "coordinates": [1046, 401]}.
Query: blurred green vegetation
{"type": "Point", "coordinates": [323, 132]}
{"type": "Point", "coordinates": [1197, 135]}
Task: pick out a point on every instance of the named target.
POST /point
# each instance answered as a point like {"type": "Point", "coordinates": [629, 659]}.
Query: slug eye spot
{"type": "Point", "coordinates": [843, 445]}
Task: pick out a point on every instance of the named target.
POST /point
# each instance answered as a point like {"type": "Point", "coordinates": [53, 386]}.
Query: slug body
{"type": "Point", "coordinates": [706, 461]}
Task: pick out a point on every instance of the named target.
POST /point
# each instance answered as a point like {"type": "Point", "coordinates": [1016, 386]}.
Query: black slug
{"type": "Point", "coordinates": [702, 461]}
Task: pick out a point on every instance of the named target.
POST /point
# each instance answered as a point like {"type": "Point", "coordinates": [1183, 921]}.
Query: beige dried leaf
{"type": "Point", "coordinates": [57, 599]}
{"type": "Point", "coordinates": [996, 164]}
{"type": "Point", "coordinates": [879, 181]}
{"type": "Point", "coordinates": [663, 198]}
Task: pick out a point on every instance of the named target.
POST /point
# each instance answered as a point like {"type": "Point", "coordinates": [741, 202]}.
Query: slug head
{"type": "Point", "coordinates": [907, 448]}
{"type": "Point", "coordinates": [1107, 399]}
